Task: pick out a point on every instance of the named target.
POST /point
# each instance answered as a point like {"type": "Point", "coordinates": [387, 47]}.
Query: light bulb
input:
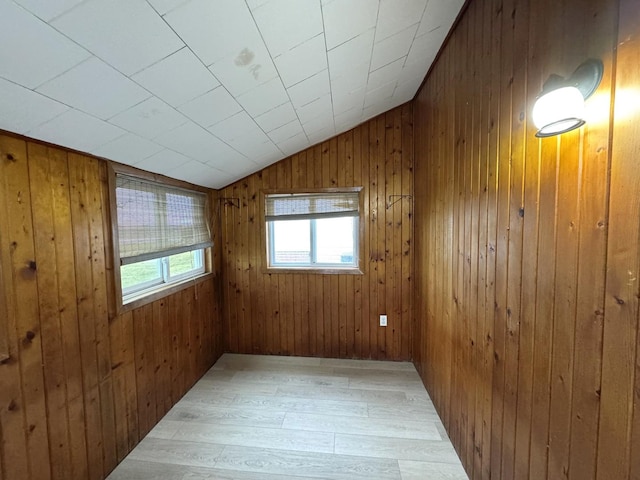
{"type": "Point", "coordinates": [558, 111]}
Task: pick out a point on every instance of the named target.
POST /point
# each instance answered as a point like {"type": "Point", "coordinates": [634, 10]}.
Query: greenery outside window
{"type": "Point", "coordinates": [149, 274]}
{"type": "Point", "coordinates": [161, 235]}
{"type": "Point", "coordinates": [313, 231]}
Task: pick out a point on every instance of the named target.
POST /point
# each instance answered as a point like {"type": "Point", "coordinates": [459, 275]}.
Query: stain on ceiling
{"type": "Point", "coordinates": [209, 91]}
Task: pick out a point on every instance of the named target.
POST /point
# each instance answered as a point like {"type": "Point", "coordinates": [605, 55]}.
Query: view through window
{"type": "Point", "coordinates": [330, 241]}
{"type": "Point", "coordinates": [147, 274]}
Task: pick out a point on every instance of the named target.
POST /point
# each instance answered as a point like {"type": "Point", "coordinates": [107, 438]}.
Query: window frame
{"type": "Point", "coordinates": [322, 269]}
{"type": "Point", "coordinates": [125, 303]}
{"type": "Point", "coordinates": [166, 268]}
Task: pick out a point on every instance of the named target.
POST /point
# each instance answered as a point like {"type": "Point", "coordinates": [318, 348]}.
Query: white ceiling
{"type": "Point", "coordinates": [209, 91]}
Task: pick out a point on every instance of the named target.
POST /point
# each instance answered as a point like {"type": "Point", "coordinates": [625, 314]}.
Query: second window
{"type": "Point", "coordinates": [313, 230]}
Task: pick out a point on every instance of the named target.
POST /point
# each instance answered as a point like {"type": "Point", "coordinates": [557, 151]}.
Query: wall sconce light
{"type": "Point", "coordinates": [560, 106]}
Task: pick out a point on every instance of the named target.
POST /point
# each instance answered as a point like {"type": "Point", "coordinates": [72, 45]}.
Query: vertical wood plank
{"type": "Point", "coordinates": [590, 290]}
{"type": "Point", "coordinates": [255, 266]}
{"type": "Point", "coordinates": [473, 122]}
{"type": "Point", "coordinates": [366, 255]}
{"type": "Point", "coordinates": [396, 245]}
{"type": "Point", "coordinates": [119, 386]}
{"type": "Point", "coordinates": [358, 305]}
{"type": "Point", "coordinates": [86, 324]}
{"type": "Point", "coordinates": [504, 129]}
{"type": "Point", "coordinates": [273, 294]}
{"type": "Point", "coordinates": [484, 359]}
{"type": "Point", "coordinates": [348, 181]}
{"type": "Point", "coordinates": [406, 243]}
{"type": "Point", "coordinates": [627, 57]}
{"type": "Point", "coordinates": [44, 209]}
{"type": "Point", "coordinates": [68, 312]}
{"type": "Point", "coordinates": [619, 349]}
{"type": "Point", "coordinates": [12, 412]}
{"type": "Point", "coordinates": [375, 256]}
{"type": "Point", "coordinates": [381, 134]}
{"type": "Point", "coordinates": [244, 272]}
{"type": "Point", "coordinates": [23, 264]}
{"type": "Point", "coordinates": [518, 139]}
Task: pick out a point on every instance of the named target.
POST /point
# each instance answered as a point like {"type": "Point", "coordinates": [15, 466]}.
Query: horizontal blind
{"type": "Point", "coordinates": [311, 205]}
{"type": "Point", "coordinates": [156, 220]}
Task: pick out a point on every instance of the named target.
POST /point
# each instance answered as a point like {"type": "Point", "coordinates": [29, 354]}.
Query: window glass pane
{"type": "Point", "coordinates": [334, 238]}
{"type": "Point", "coordinates": [185, 262]}
{"type": "Point", "coordinates": [291, 242]}
{"type": "Point", "coordinates": [141, 273]}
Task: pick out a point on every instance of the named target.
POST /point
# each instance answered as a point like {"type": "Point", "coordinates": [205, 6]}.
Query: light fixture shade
{"type": "Point", "coordinates": [558, 111]}
{"type": "Point", "coordinates": [560, 106]}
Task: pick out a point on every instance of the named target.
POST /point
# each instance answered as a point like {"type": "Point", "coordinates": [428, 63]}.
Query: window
{"type": "Point", "coordinates": [313, 230]}
{"type": "Point", "coordinates": [162, 234]}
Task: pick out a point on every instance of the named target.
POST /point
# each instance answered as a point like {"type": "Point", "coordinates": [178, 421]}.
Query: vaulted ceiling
{"type": "Point", "coordinates": [209, 91]}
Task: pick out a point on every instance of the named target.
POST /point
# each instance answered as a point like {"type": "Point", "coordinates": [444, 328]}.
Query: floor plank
{"type": "Point", "coordinates": [404, 409]}
{"type": "Point", "coordinates": [292, 379]}
{"type": "Point", "coordinates": [366, 364]}
{"type": "Point", "coordinates": [297, 440]}
{"type": "Point", "coordinates": [225, 388]}
{"type": "Point", "coordinates": [396, 448]}
{"type": "Point", "coordinates": [384, 427]}
{"type": "Point", "coordinates": [412, 470]}
{"type": "Point", "coordinates": [140, 470]}
{"type": "Point", "coordinates": [290, 418]}
{"type": "Point", "coordinates": [348, 394]}
{"type": "Point", "coordinates": [163, 451]}
{"type": "Point", "coordinates": [302, 405]}
{"type": "Point", "coordinates": [186, 411]}
{"type": "Point", "coordinates": [284, 462]}
{"type": "Point", "coordinates": [165, 429]}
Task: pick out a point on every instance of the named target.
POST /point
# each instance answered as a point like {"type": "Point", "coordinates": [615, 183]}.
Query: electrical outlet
{"type": "Point", "coordinates": [383, 320]}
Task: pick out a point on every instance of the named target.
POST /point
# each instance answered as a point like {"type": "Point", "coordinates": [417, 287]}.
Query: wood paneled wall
{"type": "Point", "coordinates": [527, 250]}
{"type": "Point", "coordinates": [81, 387]}
{"type": "Point", "coordinates": [327, 315]}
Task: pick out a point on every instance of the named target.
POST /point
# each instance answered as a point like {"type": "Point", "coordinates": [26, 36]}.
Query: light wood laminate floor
{"type": "Point", "coordinates": [290, 418]}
